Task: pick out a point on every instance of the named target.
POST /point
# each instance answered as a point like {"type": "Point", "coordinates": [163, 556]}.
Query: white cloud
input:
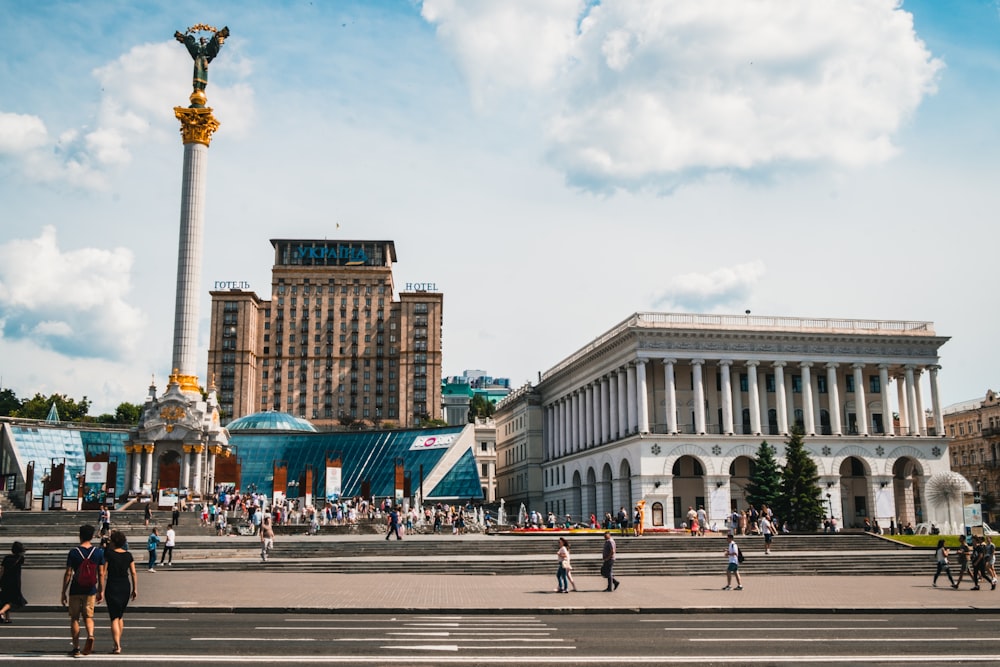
{"type": "Point", "coordinates": [138, 91]}
{"type": "Point", "coordinates": [20, 133]}
{"type": "Point", "coordinates": [646, 93]}
{"type": "Point", "coordinates": [706, 292]}
{"type": "Point", "coordinates": [72, 302]}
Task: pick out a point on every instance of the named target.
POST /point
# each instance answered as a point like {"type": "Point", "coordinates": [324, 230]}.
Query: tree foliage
{"type": "Point", "coordinates": [764, 486]}
{"type": "Point", "coordinates": [125, 413]}
{"type": "Point", "coordinates": [801, 502]}
{"type": "Point", "coordinates": [9, 403]}
{"type": "Point", "coordinates": [70, 410]}
{"type": "Point", "coordinates": [480, 407]}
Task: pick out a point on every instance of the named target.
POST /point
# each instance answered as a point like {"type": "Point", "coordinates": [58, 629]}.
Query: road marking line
{"type": "Point", "coordinates": [517, 660]}
{"type": "Point", "coordinates": [790, 640]}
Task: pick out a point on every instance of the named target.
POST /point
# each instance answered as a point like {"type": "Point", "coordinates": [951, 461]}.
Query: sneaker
{"type": "Point", "coordinates": [955, 586]}
{"type": "Point", "coordinates": [739, 588]}
{"type": "Point", "coordinates": [974, 588]}
{"type": "Point", "coordinates": [88, 646]}
{"type": "Point", "coordinates": [152, 570]}
{"type": "Point", "coordinates": [74, 652]}
{"type": "Point", "coordinates": [617, 584]}
{"type": "Point", "coordinates": [934, 584]}
{"type": "Point", "coordinates": [727, 588]}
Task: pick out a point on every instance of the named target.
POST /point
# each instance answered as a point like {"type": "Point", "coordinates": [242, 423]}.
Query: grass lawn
{"type": "Point", "coordinates": [925, 541]}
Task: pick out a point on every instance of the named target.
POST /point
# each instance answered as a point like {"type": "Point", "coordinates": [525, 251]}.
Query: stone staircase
{"type": "Point", "coordinates": [340, 551]}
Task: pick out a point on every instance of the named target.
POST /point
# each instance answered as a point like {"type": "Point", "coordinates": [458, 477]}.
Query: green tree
{"type": "Point", "coordinates": [480, 407]}
{"type": "Point", "coordinates": [801, 502]}
{"type": "Point", "coordinates": [9, 402]}
{"type": "Point", "coordinates": [125, 413]}
{"type": "Point", "coordinates": [764, 487]}
{"type": "Point", "coordinates": [38, 406]}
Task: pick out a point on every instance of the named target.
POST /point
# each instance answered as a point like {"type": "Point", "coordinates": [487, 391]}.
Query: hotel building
{"type": "Point", "coordinates": [330, 345]}
{"type": "Point", "coordinates": [672, 408]}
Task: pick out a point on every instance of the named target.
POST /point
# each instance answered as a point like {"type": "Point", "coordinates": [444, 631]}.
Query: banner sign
{"type": "Point", "coordinates": [433, 441]}
{"type": "Point", "coordinates": [333, 483]}
{"type": "Point", "coordinates": [97, 472]}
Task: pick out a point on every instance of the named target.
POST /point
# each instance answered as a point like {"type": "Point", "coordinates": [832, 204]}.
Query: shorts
{"type": "Point", "coordinates": [767, 538]}
{"type": "Point", "coordinates": [81, 606]}
{"type": "Point", "coordinates": [733, 567]}
{"type": "Point", "coordinates": [963, 567]}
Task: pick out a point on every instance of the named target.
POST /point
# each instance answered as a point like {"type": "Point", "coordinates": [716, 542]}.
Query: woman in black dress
{"type": "Point", "coordinates": [119, 569]}
{"type": "Point", "coordinates": [10, 582]}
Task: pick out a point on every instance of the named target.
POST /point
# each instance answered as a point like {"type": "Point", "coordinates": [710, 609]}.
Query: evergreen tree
{"type": "Point", "coordinates": [9, 402]}
{"type": "Point", "coordinates": [801, 502]}
{"type": "Point", "coordinates": [764, 487]}
{"type": "Point", "coordinates": [38, 406]}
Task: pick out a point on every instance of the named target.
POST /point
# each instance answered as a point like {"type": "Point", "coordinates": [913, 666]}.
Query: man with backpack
{"type": "Point", "coordinates": [82, 588]}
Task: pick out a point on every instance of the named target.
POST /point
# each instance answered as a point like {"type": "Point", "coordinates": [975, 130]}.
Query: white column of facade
{"type": "Point", "coordinates": [725, 371]}
{"type": "Point", "coordinates": [765, 421]}
{"type": "Point", "coordinates": [622, 403]}
{"type": "Point", "coordinates": [903, 402]}
{"type": "Point", "coordinates": [936, 402]}
{"type": "Point", "coordinates": [567, 424]}
{"type": "Point", "coordinates": [573, 427]}
{"type": "Point", "coordinates": [860, 409]}
{"type": "Point", "coordinates": [588, 415]}
{"type": "Point", "coordinates": [737, 402]}
{"type": "Point", "coordinates": [883, 380]}
{"type": "Point", "coordinates": [605, 412]}
{"type": "Point", "coordinates": [642, 397]}
{"type": "Point", "coordinates": [699, 396]}
{"type": "Point", "coordinates": [753, 397]}
{"type": "Point", "coordinates": [633, 408]}
{"type": "Point", "coordinates": [613, 405]}
{"type": "Point", "coordinates": [197, 482]}
{"type": "Point", "coordinates": [808, 411]}
{"type": "Point", "coordinates": [581, 416]}
{"type": "Point", "coordinates": [186, 468]}
{"type": "Point", "coordinates": [833, 396]}
{"type": "Point", "coordinates": [136, 468]}
{"type": "Point", "coordinates": [558, 443]}
{"type": "Point", "coordinates": [816, 408]}
{"type": "Point", "coordinates": [921, 415]}
{"type": "Point", "coordinates": [911, 403]}
{"type": "Point", "coordinates": [210, 474]}
{"type": "Point", "coordinates": [147, 473]}
{"type": "Point", "coordinates": [597, 412]}
{"type": "Point", "coordinates": [780, 399]}
{"type": "Point", "coordinates": [671, 387]}
{"type": "Point", "coordinates": [549, 435]}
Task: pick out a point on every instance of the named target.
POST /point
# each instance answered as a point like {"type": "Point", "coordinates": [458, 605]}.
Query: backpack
{"type": "Point", "coordinates": [739, 555]}
{"type": "Point", "coordinates": [86, 574]}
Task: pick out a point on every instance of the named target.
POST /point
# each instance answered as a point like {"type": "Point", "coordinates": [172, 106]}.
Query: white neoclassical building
{"type": "Point", "coordinates": [671, 409]}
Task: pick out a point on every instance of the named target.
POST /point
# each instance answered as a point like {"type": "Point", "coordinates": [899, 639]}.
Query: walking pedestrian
{"type": "Point", "coordinates": [120, 586]}
{"type": "Point", "coordinates": [608, 555]}
{"type": "Point", "coordinates": [978, 560]}
{"type": "Point", "coordinates": [10, 582]}
{"type": "Point", "coordinates": [942, 564]}
{"type": "Point", "coordinates": [393, 525]}
{"type": "Point", "coordinates": [991, 562]}
{"type": "Point", "coordinates": [964, 553]}
{"type": "Point", "coordinates": [733, 567]}
{"type": "Point", "coordinates": [147, 514]}
{"type": "Point", "coordinates": [168, 546]}
{"type": "Point", "coordinates": [266, 537]}
{"type": "Point", "coordinates": [767, 529]}
{"type": "Point", "coordinates": [152, 543]}
{"type": "Point", "coordinates": [82, 588]}
{"type": "Point", "coordinates": [175, 515]}
{"type": "Point", "coordinates": [562, 578]}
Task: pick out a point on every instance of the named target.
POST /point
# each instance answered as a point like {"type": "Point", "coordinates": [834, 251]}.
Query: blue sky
{"type": "Point", "coordinates": [551, 166]}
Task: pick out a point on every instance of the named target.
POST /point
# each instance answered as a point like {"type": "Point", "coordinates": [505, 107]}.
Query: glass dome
{"type": "Point", "coordinates": [270, 421]}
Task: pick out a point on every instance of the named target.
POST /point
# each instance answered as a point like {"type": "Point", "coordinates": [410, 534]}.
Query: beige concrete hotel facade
{"type": "Point", "coordinates": [671, 409]}
{"type": "Point", "coordinates": [331, 345]}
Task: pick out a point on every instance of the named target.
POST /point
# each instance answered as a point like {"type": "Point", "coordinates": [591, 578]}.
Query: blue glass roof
{"type": "Point", "coordinates": [366, 456]}
{"type": "Point", "coordinates": [270, 421]}
{"type": "Point", "coordinates": [42, 444]}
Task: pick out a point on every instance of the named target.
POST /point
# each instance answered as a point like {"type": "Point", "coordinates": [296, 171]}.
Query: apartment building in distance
{"type": "Point", "coordinates": [973, 428]}
{"type": "Point", "coordinates": [331, 344]}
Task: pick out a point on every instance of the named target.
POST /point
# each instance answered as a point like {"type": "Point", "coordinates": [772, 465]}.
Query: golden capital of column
{"type": "Point", "coordinates": [186, 382]}
{"type": "Point", "coordinates": [197, 449]}
{"type": "Point", "coordinates": [218, 450]}
{"type": "Point", "coordinates": [197, 125]}
{"type": "Point", "coordinates": [148, 448]}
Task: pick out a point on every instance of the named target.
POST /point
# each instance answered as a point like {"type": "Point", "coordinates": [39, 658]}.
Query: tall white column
{"type": "Point", "coordinates": [605, 413]}
{"type": "Point", "coordinates": [780, 400]}
{"type": "Point", "coordinates": [633, 408]}
{"type": "Point", "coordinates": [574, 422]}
{"type": "Point", "coordinates": [642, 397]}
{"type": "Point", "coordinates": [597, 411]}
{"type": "Point", "coordinates": [699, 396]}
{"type": "Point", "coordinates": [725, 374]}
{"type": "Point", "coordinates": [147, 473]}
{"type": "Point", "coordinates": [137, 469]}
{"type": "Point", "coordinates": [903, 401]}
{"type": "Point", "coordinates": [860, 409]}
{"type": "Point", "coordinates": [623, 414]}
{"type": "Point", "coordinates": [737, 402]}
{"type": "Point", "coordinates": [588, 415]}
{"type": "Point", "coordinates": [753, 397]}
{"type": "Point", "coordinates": [913, 415]}
{"type": "Point", "coordinates": [197, 484]}
{"type": "Point", "coordinates": [936, 402]}
{"type": "Point", "coordinates": [671, 387]}
{"type": "Point", "coordinates": [765, 418]}
{"type": "Point", "coordinates": [808, 410]}
{"type": "Point", "coordinates": [186, 468]}
{"type": "Point", "coordinates": [833, 396]}
{"type": "Point", "coordinates": [613, 406]}
{"type": "Point", "coordinates": [921, 415]}
{"type": "Point", "coordinates": [549, 432]}
{"type": "Point", "coordinates": [883, 380]}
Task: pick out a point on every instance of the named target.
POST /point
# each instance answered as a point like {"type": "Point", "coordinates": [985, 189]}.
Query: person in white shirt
{"type": "Point", "coordinates": [168, 547]}
{"type": "Point", "coordinates": [767, 529]}
{"type": "Point", "coordinates": [733, 556]}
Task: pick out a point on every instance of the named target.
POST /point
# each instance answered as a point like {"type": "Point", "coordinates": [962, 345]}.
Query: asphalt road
{"type": "Point", "coordinates": [573, 639]}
